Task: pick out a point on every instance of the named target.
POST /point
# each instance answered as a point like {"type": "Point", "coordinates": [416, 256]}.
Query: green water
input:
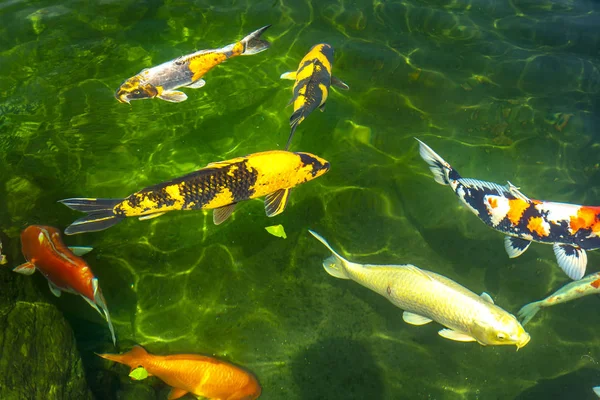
{"type": "Point", "coordinates": [503, 90]}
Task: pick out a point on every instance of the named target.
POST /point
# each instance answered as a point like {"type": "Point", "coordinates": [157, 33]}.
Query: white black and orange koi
{"type": "Point", "coordinates": [219, 186]}
{"type": "Point", "coordinates": [311, 89]}
{"type": "Point", "coordinates": [571, 229]}
{"type": "Point", "coordinates": [185, 71]}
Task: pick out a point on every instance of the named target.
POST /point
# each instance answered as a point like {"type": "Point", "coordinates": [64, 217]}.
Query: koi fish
{"type": "Point", "coordinates": [596, 390]}
{"type": "Point", "coordinates": [65, 271]}
{"type": "Point", "coordinates": [570, 228]}
{"type": "Point", "coordinates": [313, 79]}
{"type": "Point", "coordinates": [185, 71]}
{"type": "Point", "coordinates": [219, 186]}
{"type": "Point", "coordinates": [426, 296]}
{"type": "Point", "coordinates": [571, 291]}
{"type": "Point", "coordinates": [191, 373]}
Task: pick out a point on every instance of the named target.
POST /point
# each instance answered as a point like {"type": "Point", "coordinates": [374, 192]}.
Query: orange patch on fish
{"type": "Point", "coordinates": [493, 202]}
{"type": "Point", "coordinates": [586, 218]}
{"type": "Point", "coordinates": [536, 224]}
{"type": "Point", "coordinates": [596, 283]}
{"type": "Point", "coordinates": [516, 209]}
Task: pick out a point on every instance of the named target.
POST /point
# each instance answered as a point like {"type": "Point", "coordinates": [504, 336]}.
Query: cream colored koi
{"type": "Point", "coordinates": [426, 296]}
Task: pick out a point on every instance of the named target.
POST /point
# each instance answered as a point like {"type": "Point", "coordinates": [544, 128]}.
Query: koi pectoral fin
{"type": "Point", "coordinates": [339, 84]}
{"type": "Point", "coordinates": [515, 246]}
{"type": "Point", "coordinates": [25, 268]}
{"type": "Point", "coordinates": [288, 75]}
{"type": "Point", "coordinates": [571, 259]}
{"type": "Point", "coordinates": [176, 393]}
{"type": "Point", "coordinates": [197, 85]}
{"type": "Point", "coordinates": [415, 319]}
{"type": "Point", "coordinates": [275, 202]}
{"type": "Point", "coordinates": [80, 250]}
{"type": "Point", "coordinates": [456, 336]}
{"type": "Point", "coordinates": [173, 96]}
{"type": "Point", "coordinates": [150, 216]}
{"type": "Point", "coordinates": [54, 289]}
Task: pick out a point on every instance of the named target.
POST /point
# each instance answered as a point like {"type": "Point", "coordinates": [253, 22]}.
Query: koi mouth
{"type": "Point", "coordinates": [123, 98]}
{"type": "Point", "coordinates": [524, 340]}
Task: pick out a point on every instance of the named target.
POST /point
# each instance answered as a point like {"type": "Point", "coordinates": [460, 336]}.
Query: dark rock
{"type": "Point", "coordinates": [38, 356]}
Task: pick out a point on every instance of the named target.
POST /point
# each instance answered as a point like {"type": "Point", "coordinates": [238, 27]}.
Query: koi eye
{"type": "Point", "coordinates": [137, 91]}
{"type": "Point", "coordinates": [501, 336]}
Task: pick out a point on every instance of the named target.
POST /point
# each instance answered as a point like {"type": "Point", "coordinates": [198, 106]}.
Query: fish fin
{"type": "Point", "coordinates": [80, 250]}
{"type": "Point", "coordinates": [275, 202]}
{"type": "Point", "coordinates": [295, 119]}
{"type": "Point", "coordinates": [528, 311]}
{"type": "Point", "coordinates": [100, 214]}
{"type": "Point", "coordinates": [197, 85]}
{"type": "Point", "coordinates": [101, 302]}
{"type": "Point", "coordinates": [336, 82]}
{"type": "Point", "coordinates": [596, 390]}
{"type": "Point", "coordinates": [457, 336]}
{"type": "Point", "coordinates": [25, 268]}
{"type": "Point", "coordinates": [151, 216]}
{"type": "Point", "coordinates": [515, 246]}
{"type": "Point", "coordinates": [93, 305]}
{"type": "Point", "coordinates": [221, 214]}
{"type": "Point", "coordinates": [571, 259]}
{"type": "Point", "coordinates": [487, 297]}
{"type": "Point", "coordinates": [291, 75]}
{"type": "Point", "coordinates": [322, 107]}
{"type": "Point", "coordinates": [253, 43]}
{"type": "Point", "coordinates": [335, 265]}
{"type": "Point", "coordinates": [439, 167]}
{"type": "Point", "coordinates": [173, 96]}
{"type": "Point", "coordinates": [515, 192]}
{"type": "Point", "coordinates": [415, 319]}
{"type": "Point", "coordinates": [54, 289]}
{"type": "Point", "coordinates": [176, 393]}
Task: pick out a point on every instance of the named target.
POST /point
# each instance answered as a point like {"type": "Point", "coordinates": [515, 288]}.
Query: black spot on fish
{"type": "Point", "coordinates": [242, 182]}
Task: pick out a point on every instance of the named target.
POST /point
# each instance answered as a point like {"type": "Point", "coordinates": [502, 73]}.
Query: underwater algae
{"type": "Point", "coordinates": [508, 90]}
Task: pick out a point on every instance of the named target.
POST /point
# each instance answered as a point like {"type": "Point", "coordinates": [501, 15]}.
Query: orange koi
{"type": "Point", "coordinates": [192, 373]}
{"type": "Point", "coordinates": [65, 271]}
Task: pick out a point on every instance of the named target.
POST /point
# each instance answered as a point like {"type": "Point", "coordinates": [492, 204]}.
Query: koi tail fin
{"type": "Point", "coordinates": [295, 119]}
{"type": "Point", "coordinates": [335, 265]}
{"type": "Point", "coordinates": [133, 358]}
{"type": "Point", "coordinates": [100, 214]}
{"type": "Point", "coordinates": [528, 311]}
{"type": "Point", "coordinates": [443, 172]}
{"type": "Point", "coordinates": [596, 390]}
{"type": "Point", "coordinates": [253, 43]}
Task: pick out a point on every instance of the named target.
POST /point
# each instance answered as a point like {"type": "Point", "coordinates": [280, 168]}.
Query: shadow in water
{"type": "Point", "coordinates": [576, 385]}
{"type": "Point", "coordinates": [338, 368]}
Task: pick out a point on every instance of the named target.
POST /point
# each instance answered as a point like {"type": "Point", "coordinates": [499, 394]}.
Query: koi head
{"type": "Point", "coordinates": [505, 329]}
{"type": "Point", "coordinates": [135, 89]}
{"type": "Point", "coordinates": [312, 166]}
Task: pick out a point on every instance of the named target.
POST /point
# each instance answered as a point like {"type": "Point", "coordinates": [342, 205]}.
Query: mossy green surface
{"type": "Point", "coordinates": [503, 90]}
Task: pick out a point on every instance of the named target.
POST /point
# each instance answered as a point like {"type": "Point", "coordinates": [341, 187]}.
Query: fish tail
{"type": "Point", "coordinates": [99, 298]}
{"type": "Point", "coordinates": [443, 172]}
{"type": "Point", "coordinates": [335, 265]}
{"type": "Point", "coordinates": [100, 214]}
{"type": "Point", "coordinates": [528, 311]}
{"type": "Point", "coordinates": [295, 119]}
{"type": "Point", "coordinates": [133, 358]}
{"type": "Point", "coordinates": [253, 43]}
{"type": "Point", "coordinates": [596, 390]}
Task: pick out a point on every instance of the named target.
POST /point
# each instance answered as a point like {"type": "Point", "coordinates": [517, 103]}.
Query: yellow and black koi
{"type": "Point", "coordinates": [218, 186]}
{"type": "Point", "coordinates": [313, 79]}
{"type": "Point", "coordinates": [186, 71]}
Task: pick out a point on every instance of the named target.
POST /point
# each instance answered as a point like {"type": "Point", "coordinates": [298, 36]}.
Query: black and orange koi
{"type": "Point", "coordinates": [571, 229]}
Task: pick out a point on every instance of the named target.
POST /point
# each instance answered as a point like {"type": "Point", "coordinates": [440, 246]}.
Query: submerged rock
{"type": "Point", "coordinates": [38, 356]}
